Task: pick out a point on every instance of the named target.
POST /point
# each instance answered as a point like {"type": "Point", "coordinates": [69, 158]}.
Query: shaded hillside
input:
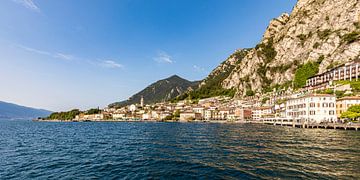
{"type": "Point", "coordinates": [160, 91]}
{"type": "Point", "coordinates": [211, 85]}
{"type": "Point", "coordinates": [13, 111]}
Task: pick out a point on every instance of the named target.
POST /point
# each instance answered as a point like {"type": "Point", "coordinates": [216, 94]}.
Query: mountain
{"type": "Point", "coordinates": [162, 90]}
{"type": "Point", "coordinates": [13, 111]}
{"type": "Point", "coordinates": [324, 33]}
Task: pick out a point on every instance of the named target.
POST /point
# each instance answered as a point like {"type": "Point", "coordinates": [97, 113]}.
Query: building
{"type": "Point", "coordinates": [132, 108]}
{"type": "Point", "coordinates": [344, 103]}
{"type": "Point", "coordinates": [119, 115]}
{"type": "Point", "coordinates": [349, 71]}
{"type": "Point", "coordinates": [187, 116]}
{"type": "Point", "coordinates": [243, 113]}
{"type": "Point", "coordinates": [261, 112]}
{"type": "Point", "coordinates": [200, 110]}
{"type": "Point", "coordinates": [312, 107]}
{"type": "Point", "coordinates": [142, 101]}
{"type": "Point", "coordinates": [208, 114]}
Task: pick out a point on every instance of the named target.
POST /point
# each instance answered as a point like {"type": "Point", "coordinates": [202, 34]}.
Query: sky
{"type": "Point", "coordinates": [60, 55]}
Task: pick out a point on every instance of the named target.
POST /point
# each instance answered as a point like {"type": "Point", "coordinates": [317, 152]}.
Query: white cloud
{"type": "Point", "coordinates": [34, 50]}
{"type": "Point", "coordinates": [69, 57]}
{"type": "Point", "coordinates": [64, 56]}
{"type": "Point", "coordinates": [111, 64]}
{"type": "Point", "coordinates": [29, 4]}
{"type": "Point", "coordinates": [198, 69]}
{"type": "Point", "coordinates": [46, 53]}
{"type": "Point", "coordinates": [163, 57]}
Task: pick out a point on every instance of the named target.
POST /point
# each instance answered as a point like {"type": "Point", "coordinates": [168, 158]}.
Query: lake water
{"type": "Point", "coordinates": [44, 150]}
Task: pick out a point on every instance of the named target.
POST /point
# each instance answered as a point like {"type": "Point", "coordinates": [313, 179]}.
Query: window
{"type": "Point", "coordinates": [312, 104]}
{"type": "Point", "coordinates": [331, 112]}
{"type": "Point", "coordinates": [331, 104]}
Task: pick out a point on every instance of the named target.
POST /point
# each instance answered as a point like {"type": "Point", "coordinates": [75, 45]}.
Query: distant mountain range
{"type": "Point", "coordinates": [13, 111]}
{"type": "Point", "coordinates": [160, 91]}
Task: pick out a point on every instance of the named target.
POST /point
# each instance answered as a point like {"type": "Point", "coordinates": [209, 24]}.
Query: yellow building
{"type": "Point", "coordinates": [344, 103]}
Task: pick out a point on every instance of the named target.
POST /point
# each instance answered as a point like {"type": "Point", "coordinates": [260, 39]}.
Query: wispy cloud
{"type": "Point", "coordinates": [69, 57]}
{"type": "Point", "coordinates": [29, 4]}
{"type": "Point", "coordinates": [110, 64]}
{"type": "Point", "coordinates": [46, 53]}
{"type": "Point", "coordinates": [163, 57]}
{"type": "Point", "coordinates": [64, 56]}
{"type": "Point", "coordinates": [198, 68]}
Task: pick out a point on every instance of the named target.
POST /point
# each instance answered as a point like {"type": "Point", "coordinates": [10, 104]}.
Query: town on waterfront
{"type": "Point", "coordinates": [327, 98]}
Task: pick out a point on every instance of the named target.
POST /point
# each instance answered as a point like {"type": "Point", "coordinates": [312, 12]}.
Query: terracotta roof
{"type": "Point", "coordinates": [349, 98]}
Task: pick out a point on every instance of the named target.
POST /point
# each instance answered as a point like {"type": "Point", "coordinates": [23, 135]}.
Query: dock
{"type": "Point", "coordinates": [299, 123]}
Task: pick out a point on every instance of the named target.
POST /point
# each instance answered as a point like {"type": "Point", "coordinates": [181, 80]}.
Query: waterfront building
{"type": "Point", "coordinates": [349, 71]}
{"type": "Point", "coordinates": [187, 116]}
{"type": "Point", "coordinates": [119, 115]}
{"type": "Point", "coordinates": [200, 110]}
{"type": "Point", "coordinates": [344, 103]}
{"type": "Point", "coordinates": [208, 114]}
{"type": "Point", "coordinates": [312, 107]}
{"type": "Point", "coordinates": [280, 110]}
{"type": "Point", "coordinates": [260, 112]}
{"type": "Point", "coordinates": [94, 117]}
{"type": "Point", "coordinates": [243, 113]}
{"type": "Point", "coordinates": [146, 116]}
{"type": "Point", "coordinates": [163, 115]}
{"type": "Point", "coordinates": [223, 113]}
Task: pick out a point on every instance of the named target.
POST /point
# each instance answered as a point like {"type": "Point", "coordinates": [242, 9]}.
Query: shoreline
{"type": "Point", "coordinates": [334, 126]}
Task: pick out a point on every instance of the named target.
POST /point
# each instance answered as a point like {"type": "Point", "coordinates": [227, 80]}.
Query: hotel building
{"type": "Point", "coordinates": [313, 107]}
{"type": "Point", "coordinates": [349, 71]}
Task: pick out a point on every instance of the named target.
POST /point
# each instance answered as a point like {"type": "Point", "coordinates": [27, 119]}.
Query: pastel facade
{"type": "Point", "coordinates": [260, 112]}
{"type": "Point", "coordinates": [344, 103]}
{"type": "Point", "coordinates": [313, 108]}
{"type": "Point", "coordinates": [187, 116]}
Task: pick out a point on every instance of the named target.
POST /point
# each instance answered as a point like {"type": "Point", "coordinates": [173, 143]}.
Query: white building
{"type": "Point", "coordinates": [119, 116]}
{"type": "Point", "coordinates": [132, 108]}
{"type": "Point", "coordinates": [260, 112]}
{"type": "Point", "coordinates": [187, 116]}
{"type": "Point", "coordinates": [313, 108]}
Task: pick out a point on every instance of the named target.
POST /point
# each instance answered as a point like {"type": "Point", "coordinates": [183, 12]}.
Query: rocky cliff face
{"type": "Point", "coordinates": [326, 31]}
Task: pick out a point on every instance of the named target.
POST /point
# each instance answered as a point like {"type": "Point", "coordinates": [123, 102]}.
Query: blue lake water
{"type": "Point", "coordinates": [43, 150]}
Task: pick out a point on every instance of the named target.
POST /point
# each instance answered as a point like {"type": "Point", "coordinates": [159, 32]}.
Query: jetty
{"type": "Point", "coordinates": [301, 123]}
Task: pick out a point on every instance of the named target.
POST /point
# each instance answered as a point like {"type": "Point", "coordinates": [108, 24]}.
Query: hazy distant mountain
{"type": "Point", "coordinates": [162, 90]}
{"type": "Point", "coordinates": [13, 111]}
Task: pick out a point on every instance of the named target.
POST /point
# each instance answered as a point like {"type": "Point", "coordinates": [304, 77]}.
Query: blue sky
{"type": "Point", "coordinates": [66, 54]}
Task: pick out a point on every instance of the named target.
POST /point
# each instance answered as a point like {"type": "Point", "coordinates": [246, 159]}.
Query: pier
{"type": "Point", "coordinates": [300, 123]}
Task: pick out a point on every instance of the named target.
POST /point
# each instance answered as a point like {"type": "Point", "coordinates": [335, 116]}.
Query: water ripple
{"type": "Point", "coordinates": [33, 150]}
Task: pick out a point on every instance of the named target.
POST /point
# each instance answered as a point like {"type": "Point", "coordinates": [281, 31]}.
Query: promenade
{"type": "Point", "coordinates": [306, 124]}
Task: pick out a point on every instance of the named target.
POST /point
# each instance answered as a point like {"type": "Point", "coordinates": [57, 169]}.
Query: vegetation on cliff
{"type": "Point", "coordinates": [212, 86]}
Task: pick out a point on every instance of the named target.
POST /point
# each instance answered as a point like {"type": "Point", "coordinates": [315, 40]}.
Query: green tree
{"type": "Point", "coordinates": [250, 92]}
{"type": "Point", "coordinates": [352, 113]}
{"type": "Point", "coordinates": [93, 111]}
{"type": "Point", "coordinates": [304, 72]}
{"type": "Point", "coordinates": [354, 108]}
